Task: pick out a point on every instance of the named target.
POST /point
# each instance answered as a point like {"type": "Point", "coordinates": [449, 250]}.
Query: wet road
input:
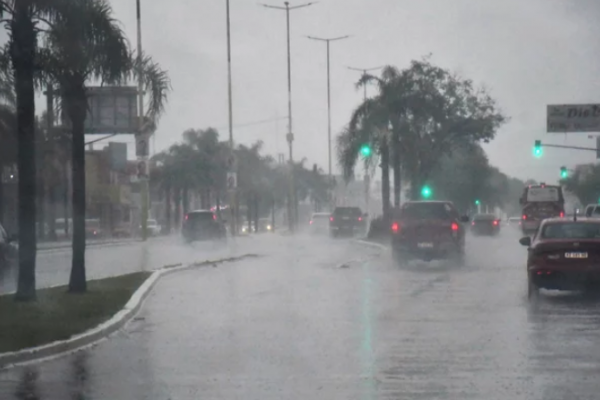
{"type": "Point", "coordinates": [53, 266]}
{"type": "Point", "coordinates": [328, 319]}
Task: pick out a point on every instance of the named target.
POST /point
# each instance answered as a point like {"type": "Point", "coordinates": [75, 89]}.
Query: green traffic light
{"type": "Point", "coordinates": [476, 202]}
{"type": "Point", "coordinates": [426, 192]}
{"type": "Point", "coordinates": [564, 173]}
{"type": "Point", "coordinates": [365, 150]}
{"type": "Point", "coordinates": [537, 149]}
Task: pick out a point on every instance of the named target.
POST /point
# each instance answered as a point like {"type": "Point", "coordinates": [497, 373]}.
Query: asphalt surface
{"type": "Point", "coordinates": [318, 318]}
{"type": "Point", "coordinates": [53, 266]}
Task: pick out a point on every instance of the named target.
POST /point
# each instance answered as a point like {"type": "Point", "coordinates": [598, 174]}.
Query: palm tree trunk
{"type": "Point", "coordinates": [77, 113]}
{"type": "Point", "coordinates": [1, 195]}
{"type": "Point", "coordinates": [65, 187]}
{"type": "Point", "coordinates": [177, 208]}
{"type": "Point", "coordinates": [385, 181]}
{"type": "Point", "coordinates": [23, 56]}
{"type": "Point", "coordinates": [168, 209]}
{"type": "Point", "coordinates": [41, 206]}
{"type": "Point", "coordinates": [396, 166]}
{"type": "Point", "coordinates": [185, 200]}
{"type": "Point", "coordinates": [52, 212]}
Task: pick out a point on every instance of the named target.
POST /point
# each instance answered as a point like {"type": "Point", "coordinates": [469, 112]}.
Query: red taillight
{"type": "Point", "coordinates": [310, 222]}
{"type": "Point", "coordinates": [495, 222]}
{"type": "Point", "coordinates": [186, 217]}
{"type": "Point", "coordinates": [524, 216]}
{"type": "Point", "coordinates": [454, 226]}
{"type": "Point", "coordinates": [562, 214]}
{"type": "Point", "coordinates": [331, 219]}
{"type": "Point", "coordinates": [395, 227]}
{"type": "Point", "coordinates": [359, 219]}
{"type": "Point", "coordinates": [214, 217]}
{"type": "Point", "coordinates": [473, 223]}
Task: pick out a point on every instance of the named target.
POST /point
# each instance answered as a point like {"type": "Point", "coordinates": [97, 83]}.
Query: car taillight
{"type": "Point", "coordinates": [214, 217]}
{"type": "Point", "coordinates": [359, 219]}
{"type": "Point", "coordinates": [331, 219]}
{"type": "Point", "coordinates": [524, 216]}
{"type": "Point", "coordinates": [395, 227]}
{"type": "Point", "coordinates": [310, 222]}
{"type": "Point", "coordinates": [562, 214]}
{"type": "Point", "coordinates": [454, 226]}
{"type": "Point", "coordinates": [473, 223]}
{"type": "Point", "coordinates": [495, 222]}
{"type": "Point", "coordinates": [186, 217]}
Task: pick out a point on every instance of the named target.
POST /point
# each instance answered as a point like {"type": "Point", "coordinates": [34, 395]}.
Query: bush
{"type": "Point", "coordinates": [378, 229]}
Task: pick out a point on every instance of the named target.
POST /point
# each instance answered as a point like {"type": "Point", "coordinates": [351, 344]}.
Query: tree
{"type": "Point", "coordinates": [584, 183]}
{"type": "Point", "coordinates": [85, 43]}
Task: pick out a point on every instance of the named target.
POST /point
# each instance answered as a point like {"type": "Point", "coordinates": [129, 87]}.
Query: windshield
{"type": "Point", "coordinates": [574, 230]}
{"type": "Point", "coordinates": [484, 217]}
{"type": "Point", "coordinates": [542, 194]}
{"type": "Point", "coordinates": [347, 212]}
{"type": "Point", "coordinates": [428, 211]}
{"type": "Point", "coordinates": [200, 217]}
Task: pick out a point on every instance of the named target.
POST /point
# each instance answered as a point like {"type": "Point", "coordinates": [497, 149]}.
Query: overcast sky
{"type": "Point", "coordinates": [527, 53]}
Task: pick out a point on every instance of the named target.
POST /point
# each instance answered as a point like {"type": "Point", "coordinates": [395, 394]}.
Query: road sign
{"type": "Point", "coordinates": [112, 109]}
{"type": "Point", "coordinates": [142, 145]}
{"type": "Point", "coordinates": [142, 168]}
{"type": "Point", "coordinates": [231, 162]}
{"type": "Point", "coordinates": [562, 118]}
{"type": "Point", "coordinates": [231, 180]}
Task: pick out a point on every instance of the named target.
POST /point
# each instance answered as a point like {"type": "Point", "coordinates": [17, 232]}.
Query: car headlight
{"type": "Point", "coordinates": [268, 227]}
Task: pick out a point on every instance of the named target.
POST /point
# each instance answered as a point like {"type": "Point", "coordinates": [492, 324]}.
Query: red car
{"type": "Point", "coordinates": [563, 255]}
{"type": "Point", "coordinates": [428, 230]}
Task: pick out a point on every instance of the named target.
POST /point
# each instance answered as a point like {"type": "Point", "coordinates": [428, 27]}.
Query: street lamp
{"type": "Point", "coordinates": [231, 161]}
{"type": "Point", "coordinates": [290, 135]}
{"type": "Point", "coordinates": [327, 41]}
{"type": "Point", "coordinates": [364, 71]}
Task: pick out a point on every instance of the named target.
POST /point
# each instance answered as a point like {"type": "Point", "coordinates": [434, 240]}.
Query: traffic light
{"type": "Point", "coordinates": [564, 174]}
{"type": "Point", "coordinates": [426, 192]}
{"type": "Point", "coordinates": [365, 150]}
{"type": "Point", "coordinates": [477, 202]}
{"type": "Point", "coordinates": [537, 149]}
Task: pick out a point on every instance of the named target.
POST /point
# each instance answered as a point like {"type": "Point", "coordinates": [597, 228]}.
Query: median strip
{"type": "Point", "coordinates": [59, 323]}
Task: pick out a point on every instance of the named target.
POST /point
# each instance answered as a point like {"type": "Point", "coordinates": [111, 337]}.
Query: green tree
{"type": "Point", "coordinates": [21, 19]}
{"type": "Point", "coordinates": [584, 183]}
{"type": "Point", "coordinates": [85, 43]}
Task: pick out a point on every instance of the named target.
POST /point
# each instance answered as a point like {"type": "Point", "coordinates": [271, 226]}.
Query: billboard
{"type": "Point", "coordinates": [112, 109]}
{"type": "Point", "coordinates": [562, 118]}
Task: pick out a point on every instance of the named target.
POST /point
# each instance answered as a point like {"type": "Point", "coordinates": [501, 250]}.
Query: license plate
{"type": "Point", "coordinates": [425, 245]}
{"type": "Point", "coordinates": [345, 218]}
{"type": "Point", "coordinates": [576, 255]}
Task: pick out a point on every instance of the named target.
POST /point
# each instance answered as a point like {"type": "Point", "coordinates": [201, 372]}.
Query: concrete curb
{"type": "Point", "coordinates": [99, 243]}
{"type": "Point", "coordinates": [90, 337]}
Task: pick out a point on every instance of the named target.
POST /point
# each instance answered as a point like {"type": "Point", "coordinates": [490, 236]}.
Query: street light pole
{"type": "Point", "coordinates": [328, 41]}
{"type": "Point", "coordinates": [292, 210]}
{"type": "Point", "coordinates": [232, 163]}
{"type": "Point", "coordinates": [367, 178]}
{"type": "Point", "coordinates": [144, 189]}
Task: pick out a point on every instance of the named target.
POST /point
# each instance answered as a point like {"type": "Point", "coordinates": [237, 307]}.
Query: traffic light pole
{"type": "Point", "coordinates": [232, 164]}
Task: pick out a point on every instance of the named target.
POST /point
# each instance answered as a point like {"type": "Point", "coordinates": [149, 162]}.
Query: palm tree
{"type": "Point", "coordinates": [85, 43]}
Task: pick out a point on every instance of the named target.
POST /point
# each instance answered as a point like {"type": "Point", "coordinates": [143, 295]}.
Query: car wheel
{"type": "Point", "coordinates": [532, 290]}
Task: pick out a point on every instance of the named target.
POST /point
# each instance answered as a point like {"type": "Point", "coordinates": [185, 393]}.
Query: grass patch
{"type": "Point", "coordinates": [58, 315]}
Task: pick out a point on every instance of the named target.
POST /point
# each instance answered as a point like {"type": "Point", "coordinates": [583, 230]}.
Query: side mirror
{"type": "Point", "coordinates": [525, 241]}
{"type": "Point", "coordinates": [465, 218]}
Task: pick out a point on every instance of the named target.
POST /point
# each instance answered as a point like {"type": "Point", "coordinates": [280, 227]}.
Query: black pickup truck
{"type": "Point", "coordinates": [346, 220]}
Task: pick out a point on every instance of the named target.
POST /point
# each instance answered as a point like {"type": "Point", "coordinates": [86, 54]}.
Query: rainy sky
{"type": "Point", "coordinates": [527, 53]}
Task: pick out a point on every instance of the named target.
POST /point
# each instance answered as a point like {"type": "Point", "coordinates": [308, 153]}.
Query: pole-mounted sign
{"type": "Point", "coordinates": [231, 180]}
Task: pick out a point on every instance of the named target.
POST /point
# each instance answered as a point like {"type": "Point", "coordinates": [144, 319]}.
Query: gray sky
{"type": "Point", "coordinates": [527, 53]}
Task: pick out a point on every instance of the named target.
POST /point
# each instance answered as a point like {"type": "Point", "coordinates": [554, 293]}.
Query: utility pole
{"type": "Point", "coordinates": [328, 41]}
{"type": "Point", "coordinates": [231, 162]}
{"type": "Point", "coordinates": [292, 206]}
{"type": "Point", "coordinates": [367, 178]}
{"type": "Point", "coordinates": [144, 187]}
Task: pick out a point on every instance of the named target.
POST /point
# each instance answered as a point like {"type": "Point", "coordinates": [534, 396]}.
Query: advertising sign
{"type": "Point", "coordinates": [564, 118]}
{"type": "Point", "coordinates": [112, 109]}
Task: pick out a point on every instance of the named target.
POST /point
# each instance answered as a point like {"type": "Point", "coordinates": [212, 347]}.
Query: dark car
{"type": "Point", "coordinates": [8, 248]}
{"type": "Point", "coordinates": [428, 230]}
{"type": "Point", "coordinates": [563, 255]}
{"type": "Point", "coordinates": [346, 221]}
{"type": "Point", "coordinates": [485, 224]}
{"type": "Point", "coordinates": [203, 225]}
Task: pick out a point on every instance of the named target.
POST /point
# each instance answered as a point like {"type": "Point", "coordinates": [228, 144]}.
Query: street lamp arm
{"type": "Point", "coordinates": [328, 40]}
{"type": "Point", "coordinates": [275, 7]}
{"type": "Point", "coordinates": [303, 5]}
